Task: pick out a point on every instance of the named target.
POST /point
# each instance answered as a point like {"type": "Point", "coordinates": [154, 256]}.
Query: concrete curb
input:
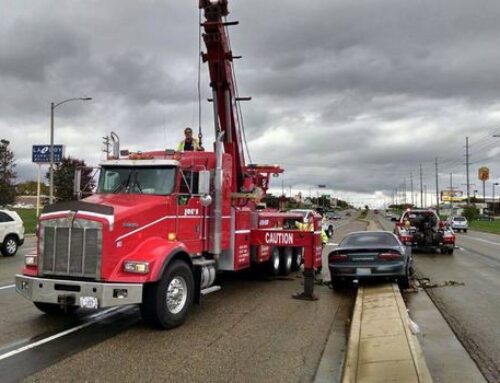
{"type": "Point", "coordinates": [351, 359]}
{"type": "Point", "coordinates": [381, 346]}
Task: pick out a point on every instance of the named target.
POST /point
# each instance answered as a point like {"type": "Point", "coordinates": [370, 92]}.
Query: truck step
{"type": "Point", "coordinates": [211, 289]}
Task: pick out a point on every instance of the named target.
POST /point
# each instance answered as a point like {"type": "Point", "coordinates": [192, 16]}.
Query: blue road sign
{"type": "Point", "coordinates": [41, 153]}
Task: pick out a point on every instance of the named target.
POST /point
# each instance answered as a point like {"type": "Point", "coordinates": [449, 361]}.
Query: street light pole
{"type": "Point", "coordinates": [51, 164]}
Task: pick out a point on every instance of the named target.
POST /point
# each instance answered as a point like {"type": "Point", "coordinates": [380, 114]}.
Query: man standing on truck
{"type": "Point", "coordinates": [189, 143]}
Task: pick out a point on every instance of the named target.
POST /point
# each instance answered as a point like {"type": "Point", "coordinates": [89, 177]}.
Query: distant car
{"type": "Point", "coordinates": [333, 216]}
{"type": "Point", "coordinates": [458, 223]}
{"type": "Point", "coordinates": [348, 214]}
{"type": "Point", "coordinates": [326, 225]}
{"type": "Point", "coordinates": [11, 232]}
{"type": "Point", "coordinates": [484, 217]}
{"type": "Point", "coordinates": [369, 255]}
{"type": "Point", "coordinates": [375, 211]}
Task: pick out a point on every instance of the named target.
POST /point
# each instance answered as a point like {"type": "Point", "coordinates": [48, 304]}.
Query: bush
{"type": "Point", "coordinates": [470, 213]}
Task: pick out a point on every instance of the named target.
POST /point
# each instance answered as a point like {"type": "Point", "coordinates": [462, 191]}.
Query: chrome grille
{"type": "Point", "coordinates": [71, 249]}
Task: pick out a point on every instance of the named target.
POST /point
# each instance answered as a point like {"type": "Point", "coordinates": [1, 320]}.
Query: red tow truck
{"type": "Point", "coordinates": [423, 228]}
{"type": "Point", "coordinates": [163, 224]}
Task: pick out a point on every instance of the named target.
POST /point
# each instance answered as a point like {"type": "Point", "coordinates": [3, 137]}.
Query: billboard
{"type": "Point", "coordinates": [41, 153]}
{"type": "Point", "coordinates": [484, 173]}
{"type": "Point", "coordinates": [452, 195]}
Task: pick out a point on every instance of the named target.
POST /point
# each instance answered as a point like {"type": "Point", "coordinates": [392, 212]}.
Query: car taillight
{"type": "Point", "coordinates": [389, 256]}
{"type": "Point", "coordinates": [337, 257]}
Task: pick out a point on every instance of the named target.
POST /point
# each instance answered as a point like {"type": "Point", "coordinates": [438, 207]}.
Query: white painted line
{"type": "Point", "coordinates": [94, 319]}
{"type": "Point", "coordinates": [7, 287]}
{"type": "Point", "coordinates": [484, 240]}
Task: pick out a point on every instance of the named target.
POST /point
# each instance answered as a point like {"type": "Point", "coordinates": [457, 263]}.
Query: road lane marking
{"type": "Point", "coordinates": [7, 287]}
{"type": "Point", "coordinates": [94, 318]}
{"type": "Point", "coordinates": [484, 240]}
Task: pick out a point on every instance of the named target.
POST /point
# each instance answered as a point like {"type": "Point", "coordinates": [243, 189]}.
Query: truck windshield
{"type": "Point", "coordinates": [137, 180]}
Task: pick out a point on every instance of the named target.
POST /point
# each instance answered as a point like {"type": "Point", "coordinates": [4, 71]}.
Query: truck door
{"type": "Point", "coordinates": [189, 212]}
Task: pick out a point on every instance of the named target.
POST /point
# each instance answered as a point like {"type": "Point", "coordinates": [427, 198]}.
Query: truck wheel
{"type": "Point", "coordinates": [465, 230]}
{"type": "Point", "coordinates": [296, 258]}
{"type": "Point", "coordinates": [274, 263]}
{"type": "Point", "coordinates": [54, 309]}
{"type": "Point", "coordinates": [286, 260]}
{"type": "Point", "coordinates": [166, 303]}
{"type": "Point", "coordinates": [450, 251]}
{"type": "Point", "coordinates": [9, 247]}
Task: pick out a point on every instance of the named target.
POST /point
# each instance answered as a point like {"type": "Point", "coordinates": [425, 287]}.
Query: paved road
{"type": "Point", "coordinates": [472, 310]}
{"type": "Point", "coordinates": [249, 331]}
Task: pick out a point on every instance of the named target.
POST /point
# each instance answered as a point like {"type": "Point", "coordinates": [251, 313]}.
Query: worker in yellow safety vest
{"type": "Point", "coordinates": [308, 225]}
{"type": "Point", "coordinates": [189, 143]}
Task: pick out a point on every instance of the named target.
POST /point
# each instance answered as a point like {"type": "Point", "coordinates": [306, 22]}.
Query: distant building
{"type": "Point", "coordinates": [29, 201]}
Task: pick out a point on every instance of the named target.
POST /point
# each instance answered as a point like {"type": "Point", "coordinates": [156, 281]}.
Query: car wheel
{"type": "Point", "coordinates": [338, 284]}
{"type": "Point", "coordinates": [404, 282]}
{"type": "Point", "coordinates": [465, 230]}
{"type": "Point", "coordinates": [450, 251]}
{"type": "Point", "coordinates": [286, 255]}
{"type": "Point", "coordinates": [9, 246]}
{"type": "Point", "coordinates": [296, 258]}
{"type": "Point", "coordinates": [55, 309]}
{"type": "Point", "coordinates": [166, 303]}
{"type": "Point", "coordinates": [330, 231]}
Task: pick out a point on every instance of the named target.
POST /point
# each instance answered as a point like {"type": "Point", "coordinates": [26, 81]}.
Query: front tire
{"type": "Point", "coordinates": [166, 303]}
{"type": "Point", "coordinates": [9, 246]}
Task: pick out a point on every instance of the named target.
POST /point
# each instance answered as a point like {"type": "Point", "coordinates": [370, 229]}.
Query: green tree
{"type": "Point", "coordinates": [64, 175]}
{"type": "Point", "coordinates": [7, 174]}
{"type": "Point", "coordinates": [470, 213]}
{"type": "Point", "coordinates": [29, 188]}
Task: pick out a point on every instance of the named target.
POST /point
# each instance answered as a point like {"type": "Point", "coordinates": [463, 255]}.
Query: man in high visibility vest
{"type": "Point", "coordinates": [308, 225]}
{"type": "Point", "coordinates": [189, 143]}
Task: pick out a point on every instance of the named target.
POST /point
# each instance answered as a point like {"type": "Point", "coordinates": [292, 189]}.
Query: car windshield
{"type": "Point", "coordinates": [137, 180]}
{"type": "Point", "coordinates": [369, 239]}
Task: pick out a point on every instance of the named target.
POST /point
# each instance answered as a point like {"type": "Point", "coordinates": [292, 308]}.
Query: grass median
{"type": "Point", "coordinates": [29, 218]}
{"type": "Point", "coordinates": [486, 226]}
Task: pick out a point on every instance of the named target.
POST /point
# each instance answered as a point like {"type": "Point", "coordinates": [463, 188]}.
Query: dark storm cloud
{"type": "Point", "coordinates": [354, 95]}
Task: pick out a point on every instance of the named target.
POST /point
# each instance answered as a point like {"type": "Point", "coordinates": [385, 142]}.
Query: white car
{"type": "Point", "coordinates": [458, 223]}
{"type": "Point", "coordinates": [11, 232]}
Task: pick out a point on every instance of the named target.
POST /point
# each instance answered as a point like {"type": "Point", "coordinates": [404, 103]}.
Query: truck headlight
{"type": "Point", "coordinates": [136, 267]}
{"type": "Point", "coordinates": [30, 260]}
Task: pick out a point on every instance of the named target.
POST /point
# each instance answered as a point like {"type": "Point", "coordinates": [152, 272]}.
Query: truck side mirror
{"type": "Point", "coordinates": [204, 182]}
{"type": "Point", "coordinates": [204, 187]}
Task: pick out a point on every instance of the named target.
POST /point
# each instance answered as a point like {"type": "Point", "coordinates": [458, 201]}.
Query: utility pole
{"type": "Point", "coordinates": [421, 189]}
{"type": "Point", "coordinates": [404, 190]}
{"type": "Point", "coordinates": [451, 192]}
{"type": "Point", "coordinates": [437, 187]}
{"type": "Point", "coordinates": [425, 195]}
{"type": "Point", "coordinates": [411, 190]}
{"type": "Point", "coordinates": [467, 168]}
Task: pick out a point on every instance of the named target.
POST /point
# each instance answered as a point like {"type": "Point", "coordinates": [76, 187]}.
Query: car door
{"type": "Point", "coordinates": [4, 223]}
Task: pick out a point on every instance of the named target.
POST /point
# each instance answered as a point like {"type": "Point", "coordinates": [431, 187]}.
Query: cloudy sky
{"type": "Point", "coordinates": [353, 95]}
